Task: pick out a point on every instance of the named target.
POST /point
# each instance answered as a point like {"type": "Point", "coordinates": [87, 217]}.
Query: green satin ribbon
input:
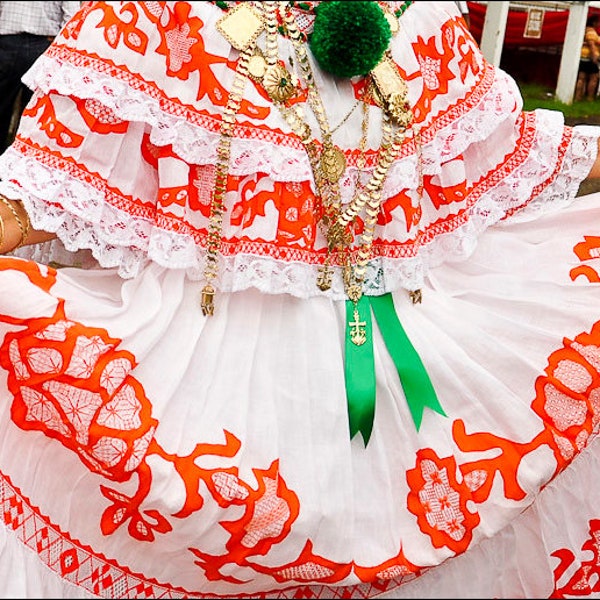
{"type": "Point", "coordinates": [360, 366]}
{"type": "Point", "coordinates": [360, 372]}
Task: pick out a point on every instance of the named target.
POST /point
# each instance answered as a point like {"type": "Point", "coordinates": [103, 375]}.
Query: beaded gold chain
{"type": "Point", "coordinates": [329, 168]}
{"type": "Point", "coordinates": [309, 8]}
{"type": "Point", "coordinates": [244, 42]}
{"type": "Point", "coordinates": [328, 162]}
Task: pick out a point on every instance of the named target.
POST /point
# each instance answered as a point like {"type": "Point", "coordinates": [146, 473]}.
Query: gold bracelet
{"type": "Point", "coordinates": [1, 232]}
{"type": "Point", "coordinates": [24, 228]}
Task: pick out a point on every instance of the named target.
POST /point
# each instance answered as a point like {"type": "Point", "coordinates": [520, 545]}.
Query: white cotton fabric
{"type": "Point", "coordinates": [484, 346]}
{"type": "Point", "coordinates": [147, 450]}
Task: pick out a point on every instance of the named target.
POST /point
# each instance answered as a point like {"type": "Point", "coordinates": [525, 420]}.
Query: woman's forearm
{"type": "Point", "coordinates": [15, 227]}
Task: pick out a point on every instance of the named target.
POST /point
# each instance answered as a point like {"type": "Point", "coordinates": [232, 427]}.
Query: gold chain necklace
{"type": "Point", "coordinates": [243, 40]}
{"type": "Point", "coordinates": [242, 27]}
{"type": "Point", "coordinates": [215, 224]}
{"type": "Point", "coordinates": [328, 163]}
{"type": "Point", "coordinates": [396, 118]}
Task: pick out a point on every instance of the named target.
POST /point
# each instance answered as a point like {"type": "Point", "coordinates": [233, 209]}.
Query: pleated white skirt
{"type": "Point", "coordinates": [143, 444]}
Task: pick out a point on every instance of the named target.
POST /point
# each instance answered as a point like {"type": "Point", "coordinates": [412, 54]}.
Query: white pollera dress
{"type": "Point", "coordinates": [150, 451]}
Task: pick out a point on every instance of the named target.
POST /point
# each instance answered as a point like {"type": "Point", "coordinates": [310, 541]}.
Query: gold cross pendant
{"type": "Point", "coordinates": [358, 329]}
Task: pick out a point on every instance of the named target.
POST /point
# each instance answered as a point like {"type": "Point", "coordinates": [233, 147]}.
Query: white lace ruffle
{"type": "Point", "coordinates": [197, 145]}
{"type": "Point", "coordinates": [117, 239]}
{"type": "Point", "coordinates": [582, 153]}
{"type": "Point", "coordinates": [120, 240]}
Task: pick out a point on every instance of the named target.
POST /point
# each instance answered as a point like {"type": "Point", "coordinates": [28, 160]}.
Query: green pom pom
{"type": "Point", "coordinates": [349, 38]}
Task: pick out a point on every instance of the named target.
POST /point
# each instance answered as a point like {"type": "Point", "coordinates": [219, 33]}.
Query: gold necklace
{"type": "Point", "coordinates": [242, 27]}
{"type": "Point", "coordinates": [391, 94]}
{"type": "Point", "coordinates": [328, 162]}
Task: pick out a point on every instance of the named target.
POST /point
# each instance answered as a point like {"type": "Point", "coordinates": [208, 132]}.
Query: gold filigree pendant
{"type": "Point", "coordinates": [279, 83]}
{"type": "Point", "coordinates": [257, 67]}
{"type": "Point", "coordinates": [207, 300]}
{"type": "Point", "coordinates": [390, 92]}
{"type": "Point", "coordinates": [241, 26]}
{"type": "Point", "coordinates": [332, 163]}
{"type": "Point", "coordinates": [354, 292]}
{"type": "Point", "coordinates": [416, 296]}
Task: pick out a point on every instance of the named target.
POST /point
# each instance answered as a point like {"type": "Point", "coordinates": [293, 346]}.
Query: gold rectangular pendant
{"type": "Point", "coordinates": [241, 26]}
{"type": "Point", "coordinates": [388, 80]}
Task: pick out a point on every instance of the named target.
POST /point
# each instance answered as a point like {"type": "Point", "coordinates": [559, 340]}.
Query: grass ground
{"type": "Point", "coordinates": [538, 96]}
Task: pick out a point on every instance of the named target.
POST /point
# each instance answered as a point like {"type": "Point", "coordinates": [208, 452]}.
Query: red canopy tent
{"type": "Point", "coordinates": [554, 25]}
{"type": "Point", "coordinates": [528, 59]}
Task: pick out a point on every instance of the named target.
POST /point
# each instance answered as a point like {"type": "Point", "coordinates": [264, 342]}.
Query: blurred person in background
{"type": "Point", "coordinates": [26, 31]}
{"type": "Point", "coordinates": [588, 76]}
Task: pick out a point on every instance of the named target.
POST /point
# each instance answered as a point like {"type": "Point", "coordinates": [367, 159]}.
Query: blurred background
{"type": "Point", "coordinates": [529, 41]}
{"type": "Point", "coordinates": [539, 44]}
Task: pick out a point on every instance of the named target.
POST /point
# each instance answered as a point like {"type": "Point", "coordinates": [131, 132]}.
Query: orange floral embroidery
{"type": "Point", "coordinates": [308, 567]}
{"type": "Point", "coordinates": [568, 404]}
{"type": "Point", "coordinates": [394, 568]}
{"type": "Point", "coordinates": [72, 383]}
{"type": "Point", "coordinates": [412, 213]}
{"type": "Point", "coordinates": [439, 501]}
{"type": "Point", "coordinates": [466, 51]}
{"type": "Point", "coordinates": [294, 203]}
{"type": "Point", "coordinates": [44, 110]}
{"type": "Point", "coordinates": [434, 69]}
{"type": "Point", "coordinates": [99, 118]}
{"type": "Point", "coordinates": [588, 250]}
{"type": "Point", "coordinates": [504, 459]}
{"type": "Point", "coordinates": [583, 577]}
{"type": "Point", "coordinates": [568, 397]}
{"type": "Point", "coordinates": [270, 510]}
{"type": "Point", "coordinates": [183, 46]}
{"type": "Point", "coordinates": [117, 30]}
{"type": "Point", "coordinates": [182, 43]}
{"type": "Point", "coordinates": [73, 28]}
{"type": "Point", "coordinates": [443, 194]}
{"type": "Point", "coordinates": [142, 524]}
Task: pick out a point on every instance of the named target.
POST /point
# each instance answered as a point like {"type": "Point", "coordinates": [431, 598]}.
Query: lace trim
{"type": "Point", "coordinates": [195, 144]}
{"type": "Point", "coordinates": [578, 161]}
{"type": "Point", "coordinates": [120, 240]}
{"type": "Point", "coordinates": [501, 102]}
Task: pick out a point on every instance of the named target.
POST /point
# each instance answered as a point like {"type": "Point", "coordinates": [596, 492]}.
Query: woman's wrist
{"type": "Point", "coordinates": [14, 226]}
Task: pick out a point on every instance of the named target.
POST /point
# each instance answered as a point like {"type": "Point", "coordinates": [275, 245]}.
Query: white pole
{"type": "Point", "coordinates": [569, 61]}
{"type": "Point", "coordinates": [494, 28]}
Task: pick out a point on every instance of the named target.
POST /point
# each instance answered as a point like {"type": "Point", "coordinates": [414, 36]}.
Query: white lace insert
{"type": "Point", "coordinates": [119, 240]}
{"type": "Point", "coordinates": [197, 145]}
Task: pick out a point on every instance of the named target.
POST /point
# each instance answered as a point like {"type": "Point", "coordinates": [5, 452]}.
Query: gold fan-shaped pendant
{"type": "Point", "coordinates": [279, 83]}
